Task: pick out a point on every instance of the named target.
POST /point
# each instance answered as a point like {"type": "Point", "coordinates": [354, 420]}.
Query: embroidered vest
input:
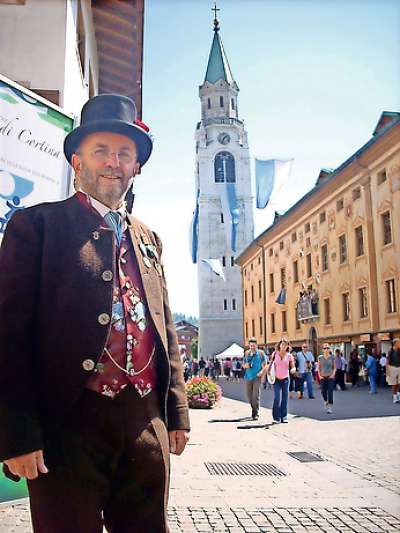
{"type": "Point", "coordinates": [129, 353]}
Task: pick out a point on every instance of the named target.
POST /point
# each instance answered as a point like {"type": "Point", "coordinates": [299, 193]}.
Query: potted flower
{"type": "Point", "coordinates": [202, 393]}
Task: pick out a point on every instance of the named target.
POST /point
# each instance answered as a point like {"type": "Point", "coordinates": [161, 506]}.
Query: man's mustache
{"type": "Point", "coordinates": [110, 173]}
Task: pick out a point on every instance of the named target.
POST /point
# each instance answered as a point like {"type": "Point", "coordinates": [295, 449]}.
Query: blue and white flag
{"type": "Point", "coordinates": [231, 212]}
{"type": "Point", "coordinates": [271, 176]}
{"type": "Point", "coordinates": [216, 267]}
{"type": "Point", "coordinates": [194, 230]}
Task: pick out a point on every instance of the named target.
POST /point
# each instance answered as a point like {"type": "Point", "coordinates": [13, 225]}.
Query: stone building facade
{"type": "Point", "coordinates": [335, 254]}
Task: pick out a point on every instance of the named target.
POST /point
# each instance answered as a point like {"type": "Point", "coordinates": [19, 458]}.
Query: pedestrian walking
{"type": "Point", "coordinates": [284, 365]}
{"type": "Point", "coordinates": [371, 372]}
{"type": "Point", "coordinates": [305, 366]}
{"type": "Point", "coordinates": [195, 368]}
{"type": "Point", "coordinates": [382, 364]}
{"type": "Point", "coordinates": [340, 373]}
{"type": "Point", "coordinates": [326, 369]}
{"type": "Point", "coordinates": [354, 367]}
{"type": "Point", "coordinates": [202, 366]}
{"type": "Point", "coordinates": [237, 368]}
{"type": "Point", "coordinates": [393, 370]}
{"type": "Point", "coordinates": [93, 399]}
{"type": "Point", "coordinates": [217, 369]}
{"type": "Point", "coordinates": [228, 368]}
{"type": "Point", "coordinates": [254, 363]}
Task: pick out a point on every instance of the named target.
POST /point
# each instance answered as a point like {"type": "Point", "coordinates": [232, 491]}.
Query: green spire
{"type": "Point", "coordinates": [218, 67]}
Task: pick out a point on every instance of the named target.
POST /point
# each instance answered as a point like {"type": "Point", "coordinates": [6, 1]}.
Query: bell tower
{"type": "Point", "coordinates": [223, 220]}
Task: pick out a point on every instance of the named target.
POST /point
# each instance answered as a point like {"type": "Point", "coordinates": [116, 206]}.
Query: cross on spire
{"type": "Point", "coordinates": [216, 23]}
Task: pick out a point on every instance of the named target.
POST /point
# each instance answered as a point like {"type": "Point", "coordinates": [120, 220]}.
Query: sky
{"type": "Point", "coordinates": [314, 77]}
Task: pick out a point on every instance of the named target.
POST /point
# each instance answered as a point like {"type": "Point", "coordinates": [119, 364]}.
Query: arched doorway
{"type": "Point", "coordinates": [313, 341]}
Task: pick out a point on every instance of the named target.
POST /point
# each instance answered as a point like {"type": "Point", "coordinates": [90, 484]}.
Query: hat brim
{"type": "Point", "coordinates": [142, 140]}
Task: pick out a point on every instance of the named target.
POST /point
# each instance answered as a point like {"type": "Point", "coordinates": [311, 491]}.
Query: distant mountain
{"type": "Point", "coordinates": [181, 316]}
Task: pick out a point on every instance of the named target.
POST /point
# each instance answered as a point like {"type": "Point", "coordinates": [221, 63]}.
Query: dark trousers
{"type": "Point", "coordinates": [253, 394]}
{"type": "Point", "coordinates": [327, 387]}
{"type": "Point", "coordinates": [339, 379]}
{"type": "Point", "coordinates": [109, 464]}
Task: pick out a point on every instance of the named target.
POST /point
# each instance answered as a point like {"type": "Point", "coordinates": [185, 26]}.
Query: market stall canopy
{"type": "Point", "coordinates": [234, 350]}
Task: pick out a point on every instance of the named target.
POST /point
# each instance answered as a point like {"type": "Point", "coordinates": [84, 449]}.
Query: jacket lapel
{"type": "Point", "coordinates": [150, 278]}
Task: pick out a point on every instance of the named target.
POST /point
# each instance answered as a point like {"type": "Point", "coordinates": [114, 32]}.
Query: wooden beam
{"type": "Point", "coordinates": [127, 8]}
{"type": "Point", "coordinates": [103, 32]}
{"type": "Point", "coordinates": [113, 61]}
{"type": "Point", "coordinates": [118, 79]}
{"type": "Point", "coordinates": [113, 18]}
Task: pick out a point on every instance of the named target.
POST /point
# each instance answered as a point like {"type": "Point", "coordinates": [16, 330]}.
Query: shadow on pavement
{"type": "Point", "coordinates": [219, 420]}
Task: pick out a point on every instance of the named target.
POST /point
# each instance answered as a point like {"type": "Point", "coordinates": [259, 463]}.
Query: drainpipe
{"type": "Point", "coordinates": [264, 294]}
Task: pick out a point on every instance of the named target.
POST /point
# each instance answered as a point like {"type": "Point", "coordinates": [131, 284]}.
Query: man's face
{"type": "Point", "coordinates": [305, 347]}
{"type": "Point", "coordinates": [105, 166]}
{"type": "Point", "coordinates": [253, 346]}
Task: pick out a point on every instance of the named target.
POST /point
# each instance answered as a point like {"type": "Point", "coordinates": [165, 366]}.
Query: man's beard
{"type": "Point", "coordinates": [111, 196]}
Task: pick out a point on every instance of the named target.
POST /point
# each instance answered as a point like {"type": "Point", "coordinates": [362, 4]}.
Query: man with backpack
{"type": "Point", "coordinates": [254, 363]}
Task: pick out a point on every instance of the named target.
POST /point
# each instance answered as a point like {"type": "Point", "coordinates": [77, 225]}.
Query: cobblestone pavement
{"type": "Point", "coordinates": [16, 519]}
{"type": "Point", "coordinates": [280, 520]}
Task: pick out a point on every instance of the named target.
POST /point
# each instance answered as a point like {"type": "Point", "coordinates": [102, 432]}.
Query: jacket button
{"type": "Point", "coordinates": [107, 275]}
{"type": "Point", "coordinates": [103, 319]}
{"type": "Point", "coordinates": [88, 364]}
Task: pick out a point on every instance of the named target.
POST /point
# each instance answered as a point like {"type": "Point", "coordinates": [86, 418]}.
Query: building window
{"type": "Point", "coordinates": [294, 236]}
{"type": "Point", "coordinates": [253, 328]}
{"type": "Point", "coordinates": [271, 282]}
{"type": "Point", "coordinates": [232, 261]}
{"type": "Point", "coordinates": [356, 194]}
{"type": "Point", "coordinates": [295, 271]}
{"type": "Point", "coordinates": [223, 261]}
{"type": "Point", "coordinates": [281, 245]}
{"type": "Point", "coordinates": [224, 168]}
{"type": "Point", "coordinates": [247, 330]}
{"type": "Point", "coordinates": [225, 304]}
{"type": "Point", "coordinates": [346, 306]}
{"type": "Point", "coordinates": [273, 322]}
{"type": "Point", "coordinates": [284, 321]}
{"type": "Point", "coordinates": [233, 104]}
{"type": "Point", "coordinates": [309, 265]}
{"type": "Point", "coordinates": [270, 252]}
{"type": "Point", "coordinates": [387, 228]}
{"type": "Point", "coordinates": [363, 302]}
{"type": "Point", "coordinates": [342, 249]}
{"type": "Point", "coordinates": [244, 272]}
{"type": "Point", "coordinates": [245, 298]}
{"type": "Point", "coordinates": [261, 325]}
{"type": "Point", "coordinates": [307, 228]}
{"type": "Point", "coordinates": [233, 304]}
{"type": "Point", "coordinates": [327, 310]}
{"type": "Point", "coordinates": [221, 101]}
{"type": "Point", "coordinates": [359, 241]}
{"type": "Point", "coordinates": [252, 294]}
{"type": "Point", "coordinates": [339, 205]}
{"type": "Point", "coordinates": [283, 277]}
{"type": "Point", "coordinates": [391, 296]}
{"type": "Point", "coordinates": [222, 218]}
{"type": "Point", "coordinates": [322, 217]}
{"type": "Point", "coordinates": [259, 289]}
{"type": "Point", "coordinates": [296, 318]}
{"type": "Point", "coordinates": [324, 257]}
{"type": "Point", "coordinates": [382, 177]}
{"type": "Point", "coordinates": [251, 266]}
{"type": "Point", "coordinates": [308, 242]}
{"type": "Point", "coordinates": [259, 260]}
{"type": "Point", "coordinates": [208, 103]}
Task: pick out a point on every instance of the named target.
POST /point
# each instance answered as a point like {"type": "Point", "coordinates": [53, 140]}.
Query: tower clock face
{"type": "Point", "coordinates": [224, 138]}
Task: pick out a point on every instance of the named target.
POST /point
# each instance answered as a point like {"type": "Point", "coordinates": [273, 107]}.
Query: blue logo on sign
{"type": "Point", "coordinates": [13, 189]}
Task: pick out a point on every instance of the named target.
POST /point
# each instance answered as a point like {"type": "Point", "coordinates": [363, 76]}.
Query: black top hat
{"type": "Point", "coordinates": [114, 113]}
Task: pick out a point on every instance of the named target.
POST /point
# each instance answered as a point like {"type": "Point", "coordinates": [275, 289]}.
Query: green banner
{"type": "Point", "coordinates": [10, 490]}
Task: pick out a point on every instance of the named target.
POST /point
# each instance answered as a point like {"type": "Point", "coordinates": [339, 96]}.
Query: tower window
{"type": "Point", "coordinates": [221, 101]}
{"type": "Point", "coordinates": [222, 218]}
{"type": "Point", "coordinates": [232, 261]}
{"type": "Point", "coordinates": [225, 304]}
{"type": "Point", "coordinates": [224, 168]}
{"type": "Point", "coordinates": [208, 103]}
{"type": "Point", "coordinates": [223, 261]}
{"type": "Point", "coordinates": [233, 304]}
{"type": "Point", "coordinates": [233, 103]}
